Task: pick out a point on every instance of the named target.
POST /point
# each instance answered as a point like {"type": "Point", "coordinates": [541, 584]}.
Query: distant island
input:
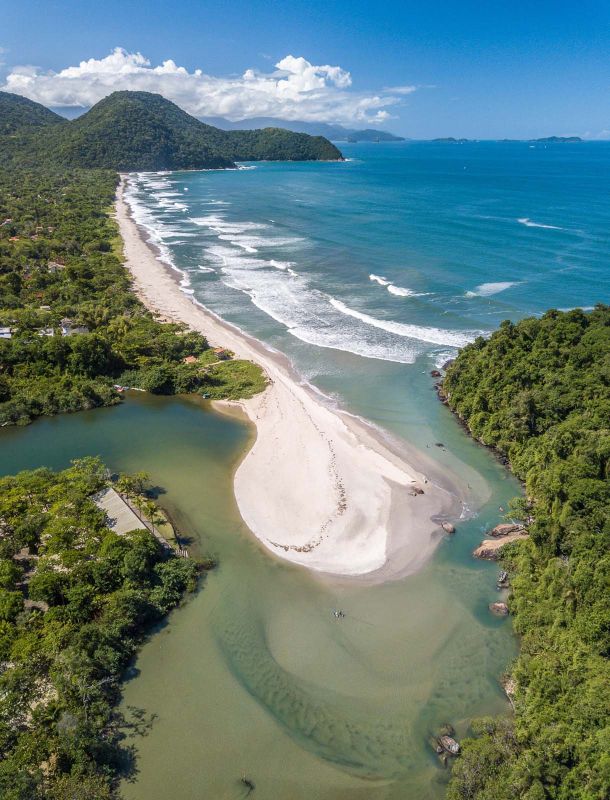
{"type": "Point", "coordinates": [561, 139]}
{"type": "Point", "coordinates": [134, 131]}
{"type": "Point", "coordinates": [451, 140]}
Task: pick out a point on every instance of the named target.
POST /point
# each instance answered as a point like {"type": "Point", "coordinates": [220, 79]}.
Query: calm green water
{"type": "Point", "coordinates": [254, 674]}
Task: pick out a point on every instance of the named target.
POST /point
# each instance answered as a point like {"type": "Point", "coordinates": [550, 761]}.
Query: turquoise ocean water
{"type": "Point", "coordinates": [368, 273]}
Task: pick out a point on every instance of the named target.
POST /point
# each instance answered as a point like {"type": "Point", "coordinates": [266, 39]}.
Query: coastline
{"type": "Point", "coordinates": [319, 487]}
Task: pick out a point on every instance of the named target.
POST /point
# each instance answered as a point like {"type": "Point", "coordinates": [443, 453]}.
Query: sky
{"type": "Point", "coordinates": [423, 70]}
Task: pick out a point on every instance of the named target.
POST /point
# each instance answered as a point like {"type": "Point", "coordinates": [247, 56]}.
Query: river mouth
{"type": "Point", "coordinates": [254, 674]}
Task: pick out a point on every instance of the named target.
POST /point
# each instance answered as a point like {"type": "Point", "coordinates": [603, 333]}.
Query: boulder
{"type": "Point", "coordinates": [450, 745]}
{"type": "Point", "coordinates": [435, 373]}
{"type": "Point", "coordinates": [490, 548]}
{"type": "Point", "coordinates": [448, 527]}
{"type": "Point", "coordinates": [416, 490]}
{"type": "Point", "coordinates": [507, 528]}
{"type": "Point", "coordinates": [499, 609]}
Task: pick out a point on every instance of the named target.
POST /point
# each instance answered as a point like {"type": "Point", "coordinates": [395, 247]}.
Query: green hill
{"type": "Point", "coordinates": [130, 131]}
{"type": "Point", "coordinates": [18, 113]}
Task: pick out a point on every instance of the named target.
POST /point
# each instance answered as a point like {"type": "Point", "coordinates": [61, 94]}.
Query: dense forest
{"type": "Point", "coordinates": [18, 113]}
{"type": "Point", "coordinates": [129, 131]}
{"type": "Point", "coordinates": [76, 600]}
{"type": "Point", "coordinates": [70, 326]}
{"type": "Point", "coordinates": [539, 393]}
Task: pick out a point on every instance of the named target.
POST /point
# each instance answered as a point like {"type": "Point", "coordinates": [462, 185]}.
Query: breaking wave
{"type": "Point", "coordinates": [418, 332]}
{"type": "Point", "coordinates": [488, 289]}
{"type": "Point", "coordinates": [530, 224]}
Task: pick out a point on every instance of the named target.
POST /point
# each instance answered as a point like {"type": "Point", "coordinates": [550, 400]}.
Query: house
{"type": "Point", "coordinates": [190, 360]}
{"type": "Point", "coordinates": [222, 354]}
{"type": "Point", "coordinates": [69, 327]}
{"type": "Point", "coordinates": [6, 333]}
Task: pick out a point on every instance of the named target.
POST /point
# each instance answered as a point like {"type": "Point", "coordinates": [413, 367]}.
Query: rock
{"type": "Point", "coordinates": [435, 745]}
{"type": "Point", "coordinates": [435, 373]}
{"type": "Point", "coordinates": [490, 548]}
{"type": "Point", "coordinates": [450, 745]}
{"type": "Point", "coordinates": [506, 528]}
{"type": "Point", "coordinates": [416, 490]}
{"type": "Point", "coordinates": [446, 730]}
{"type": "Point", "coordinates": [499, 609]}
{"type": "Point", "coordinates": [448, 527]}
{"type": "Point", "coordinates": [439, 444]}
{"type": "Point", "coordinates": [502, 581]}
{"type": "Point", "coordinates": [448, 363]}
{"type": "Point", "coordinates": [509, 685]}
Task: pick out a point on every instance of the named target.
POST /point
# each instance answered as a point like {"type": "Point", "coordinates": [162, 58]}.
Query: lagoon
{"type": "Point", "coordinates": [254, 674]}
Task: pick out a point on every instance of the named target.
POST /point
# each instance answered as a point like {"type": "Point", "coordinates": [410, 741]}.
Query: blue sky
{"type": "Point", "coordinates": [485, 70]}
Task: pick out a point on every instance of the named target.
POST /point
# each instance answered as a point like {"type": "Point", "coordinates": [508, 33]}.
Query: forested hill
{"type": "Point", "coordinates": [18, 113]}
{"type": "Point", "coordinates": [539, 392]}
{"type": "Point", "coordinates": [129, 131]}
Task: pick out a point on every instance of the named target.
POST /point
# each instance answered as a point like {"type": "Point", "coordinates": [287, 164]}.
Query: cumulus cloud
{"type": "Point", "coordinates": [295, 90]}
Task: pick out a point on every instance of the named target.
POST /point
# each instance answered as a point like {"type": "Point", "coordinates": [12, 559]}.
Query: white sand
{"type": "Point", "coordinates": [319, 487]}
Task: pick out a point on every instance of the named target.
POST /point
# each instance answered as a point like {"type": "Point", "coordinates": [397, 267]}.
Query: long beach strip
{"type": "Point", "coordinates": [319, 487]}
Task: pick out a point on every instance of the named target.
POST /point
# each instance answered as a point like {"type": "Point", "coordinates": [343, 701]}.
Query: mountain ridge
{"type": "Point", "coordinates": [18, 113]}
{"type": "Point", "coordinates": [336, 133]}
{"type": "Point", "coordinates": [138, 131]}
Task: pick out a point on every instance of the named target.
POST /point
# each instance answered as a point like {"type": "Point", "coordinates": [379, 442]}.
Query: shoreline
{"type": "Point", "coordinates": [319, 487]}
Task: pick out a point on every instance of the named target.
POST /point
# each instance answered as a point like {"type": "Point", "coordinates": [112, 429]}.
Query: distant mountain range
{"type": "Point", "coordinates": [132, 131]}
{"type": "Point", "coordinates": [336, 133]}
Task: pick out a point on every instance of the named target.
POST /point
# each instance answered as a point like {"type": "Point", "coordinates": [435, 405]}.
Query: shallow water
{"type": "Point", "coordinates": [254, 674]}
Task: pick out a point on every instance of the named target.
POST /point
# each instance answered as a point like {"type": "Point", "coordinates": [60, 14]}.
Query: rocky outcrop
{"type": "Point", "coordinates": [507, 528]}
{"type": "Point", "coordinates": [499, 609]}
{"type": "Point", "coordinates": [490, 548]}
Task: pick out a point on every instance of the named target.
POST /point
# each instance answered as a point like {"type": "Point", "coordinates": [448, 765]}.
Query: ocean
{"type": "Point", "coordinates": [402, 253]}
{"type": "Point", "coordinates": [370, 273]}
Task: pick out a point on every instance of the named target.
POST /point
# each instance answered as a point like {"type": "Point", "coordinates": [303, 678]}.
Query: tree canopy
{"type": "Point", "coordinates": [129, 131]}
{"type": "Point", "coordinates": [76, 601]}
{"type": "Point", "coordinates": [539, 393]}
{"type": "Point", "coordinates": [72, 327]}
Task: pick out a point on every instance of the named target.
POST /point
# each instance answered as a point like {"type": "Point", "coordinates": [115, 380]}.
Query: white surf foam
{"type": "Point", "coordinates": [398, 291]}
{"type": "Point", "coordinates": [379, 279]}
{"type": "Point", "coordinates": [283, 265]}
{"type": "Point", "coordinates": [530, 224]}
{"type": "Point", "coordinates": [489, 289]}
{"type": "Point", "coordinates": [421, 333]}
{"type": "Point", "coordinates": [402, 291]}
{"type": "Point", "coordinates": [281, 293]}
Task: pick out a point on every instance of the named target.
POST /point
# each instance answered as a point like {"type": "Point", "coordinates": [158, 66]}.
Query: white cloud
{"type": "Point", "coordinates": [400, 89]}
{"type": "Point", "coordinates": [295, 90]}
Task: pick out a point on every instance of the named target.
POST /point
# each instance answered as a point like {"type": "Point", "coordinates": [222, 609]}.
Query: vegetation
{"type": "Point", "coordinates": [18, 114]}
{"type": "Point", "coordinates": [539, 392]}
{"type": "Point", "coordinates": [75, 326]}
{"type": "Point", "coordinates": [76, 600]}
{"type": "Point", "coordinates": [130, 131]}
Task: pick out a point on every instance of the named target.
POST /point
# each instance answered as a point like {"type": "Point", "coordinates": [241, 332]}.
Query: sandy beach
{"type": "Point", "coordinates": [320, 487]}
